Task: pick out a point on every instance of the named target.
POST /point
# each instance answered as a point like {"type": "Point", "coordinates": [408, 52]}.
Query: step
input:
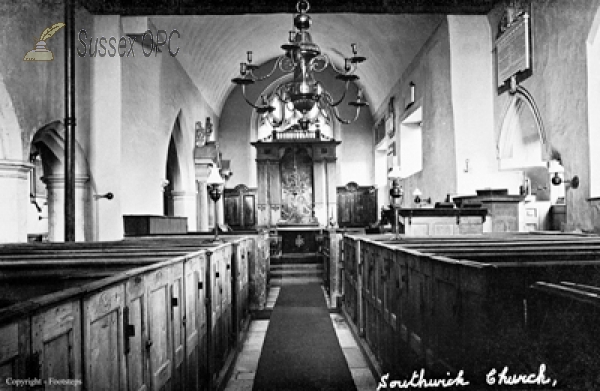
{"type": "Point", "coordinates": [313, 258]}
{"type": "Point", "coordinates": [297, 266]}
{"type": "Point", "coordinates": [294, 280]}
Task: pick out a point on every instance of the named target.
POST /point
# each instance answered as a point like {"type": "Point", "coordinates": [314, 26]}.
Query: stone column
{"type": "Point", "coordinates": [55, 185]}
{"type": "Point", "coordinates": [14, 200]}
{"type": "Point", "coordinates": [221, 210]}
{"type": "Point", "coordinates": [203, 205]}
{"type": "Point", "coordinates": [184, 205]}
{"type": "Point", "coordinates": [205, 209]}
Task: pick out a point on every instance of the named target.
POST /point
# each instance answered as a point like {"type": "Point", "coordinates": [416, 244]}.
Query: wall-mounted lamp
{"type": "Point", "coordinates": [573, 183]}
{"type": "Point", "coordinates": [109, 196]}
{"type": "Point", "coordinates": [396, 194]}
{"type": "Point", "coordinates": [215, 185]}
{"type": "Point", "coordinates": [555, 167]}
{"type": "Point", "coordinates": [418, 200]}
{"type": "Point", "coordinates": [203, 132]}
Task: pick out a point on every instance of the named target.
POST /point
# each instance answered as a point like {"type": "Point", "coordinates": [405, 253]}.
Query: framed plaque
{"type": "Point", "coordinates": [513, 49]}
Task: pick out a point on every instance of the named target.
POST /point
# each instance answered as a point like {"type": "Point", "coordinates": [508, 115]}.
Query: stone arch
{"type": "Point", "coordinates": [520, 104]}
{"type": "Point", "coordinates": [180, 193]}
{"type": "Point", "coordinates": [49, 143]}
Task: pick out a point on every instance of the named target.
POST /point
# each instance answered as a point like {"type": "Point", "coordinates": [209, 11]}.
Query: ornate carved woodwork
{"type": "Point", "coordinates": [357, 205]}
{"type": "Point", "coordinates": [295, 182]}
{"type": "Point", "coordinates": [240, 207]}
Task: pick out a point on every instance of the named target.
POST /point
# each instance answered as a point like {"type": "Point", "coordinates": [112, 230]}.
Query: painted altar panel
{"type": "Point", "coordinates": [296, 186]}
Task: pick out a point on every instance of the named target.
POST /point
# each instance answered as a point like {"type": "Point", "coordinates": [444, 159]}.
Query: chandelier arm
{"type": "Point", "coordinates": [353, 67]}
{"type": "Point", "coordinates": [248, 101]}
{"type": "Point", "coordinates": [261, 78]}
{"type": "Point", "coordinates": [345, 121]}
{"type": "Point", "coordinates": [330, 100]}
{"type": "Point", "coordinates": [313, 64]}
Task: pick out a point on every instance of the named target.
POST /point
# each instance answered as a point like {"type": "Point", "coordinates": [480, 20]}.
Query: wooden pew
{"type": "Point", "coordinates": [446, 304]}
{"type": "Point", "coordinates": [169, 318]}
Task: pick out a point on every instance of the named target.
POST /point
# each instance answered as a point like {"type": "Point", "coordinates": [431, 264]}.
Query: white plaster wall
{"type": "Point", "coordinates": [155, 92]}
{"type": "Point", "coordinates": [472, 79]}
{"type": "Point", "coordinates": [105, 134]}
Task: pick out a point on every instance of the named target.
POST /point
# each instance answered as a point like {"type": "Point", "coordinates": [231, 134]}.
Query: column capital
{"type": "Point", "coordinates": [183, 194]}
{"type": "Point", "coordinates": [58, 181]}
{"type": "Point", "coordinates": [14, 169]}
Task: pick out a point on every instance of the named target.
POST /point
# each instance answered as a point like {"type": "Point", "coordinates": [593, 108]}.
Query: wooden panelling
{"type": "Point", "coordinates": [357, 205]}
{"type": "Point", "coordinates": [418, 309]}
{"type": "Point", "coordinates": [142, 329]}
{"type": "Point", "coordinates": [240, 207]}
{"type": "Point", "coordinates": [103, 338]}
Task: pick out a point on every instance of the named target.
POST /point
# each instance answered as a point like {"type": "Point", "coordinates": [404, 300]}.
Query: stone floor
{"type": "Point", "coordinates": [242, 377]}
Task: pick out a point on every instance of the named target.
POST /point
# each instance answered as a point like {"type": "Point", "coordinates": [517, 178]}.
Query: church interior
{"type": "Point", "coordinates": [178, 177]}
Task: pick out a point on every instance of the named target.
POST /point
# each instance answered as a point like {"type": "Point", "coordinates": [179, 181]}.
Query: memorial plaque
{"type": "Point", "coordinates": [513, 50]}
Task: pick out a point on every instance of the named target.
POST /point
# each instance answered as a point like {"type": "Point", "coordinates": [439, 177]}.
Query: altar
{"type": "Point", "coordinates": [299, 239]}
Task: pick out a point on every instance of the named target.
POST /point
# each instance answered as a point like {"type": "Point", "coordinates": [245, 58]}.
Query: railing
{"type": "Point", "coordinates": [168, 325]}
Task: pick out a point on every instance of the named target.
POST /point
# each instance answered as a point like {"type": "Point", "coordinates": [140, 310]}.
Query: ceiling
{"type": "Point", "coordinates": [215, 34]}
{"type": "Point", "coordinates": [237, 7]}
{"type": "Point", "coordinates": [212, 47]}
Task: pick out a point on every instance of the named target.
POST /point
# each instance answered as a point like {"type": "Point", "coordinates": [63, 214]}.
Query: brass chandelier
{"type": "Point", "coordinates": [302, 57]}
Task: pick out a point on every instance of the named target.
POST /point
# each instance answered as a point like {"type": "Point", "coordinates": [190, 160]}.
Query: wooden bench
{"type": "Point", "coordinates": [454, 303]}
{"type": "Point", "coordinates": [154, 314]}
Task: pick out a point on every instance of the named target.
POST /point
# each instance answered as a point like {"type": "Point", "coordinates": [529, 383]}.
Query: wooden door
{"type": "Point", "coordinates": [105, 365]}
{"type": "Point", "coordinates": [178, 332]}
{"type": "Point", "coordinates": [135, 338]}
{"type": "Point", "coordinates": [357, 205]}
{"type": "Point", "coordinates": [56, 340]}
{"type": "Point", "coordinates": [194, 316]}
{"type": "Point", "coordinates": [240, 207]}
{"type": "Point", "coordinates": [15, 352]}
{"type": "Point", "coordinates": [159, 333]}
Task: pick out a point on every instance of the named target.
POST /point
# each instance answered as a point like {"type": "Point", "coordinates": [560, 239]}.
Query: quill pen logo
{"type": "Point", "coordinates": [40, 53]}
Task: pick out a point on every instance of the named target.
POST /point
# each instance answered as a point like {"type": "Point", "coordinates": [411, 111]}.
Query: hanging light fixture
{"type": "Point", "coordinates": [303, 58]}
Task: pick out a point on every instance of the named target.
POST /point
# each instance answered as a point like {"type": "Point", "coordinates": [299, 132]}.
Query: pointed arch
{"type": "Point", "coordinates": [10, 131]}
{"type": "Point", "coordinates": [521, 104]}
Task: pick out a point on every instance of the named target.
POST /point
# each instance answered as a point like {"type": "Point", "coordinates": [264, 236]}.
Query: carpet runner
{"type": "Point", "coordinates": [301, 350]}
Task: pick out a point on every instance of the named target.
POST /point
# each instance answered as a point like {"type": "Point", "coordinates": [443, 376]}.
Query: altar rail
{"type": "Point", "coordinates": [173, 323]}
{"type": "Point", "coordinates": [448, 304]}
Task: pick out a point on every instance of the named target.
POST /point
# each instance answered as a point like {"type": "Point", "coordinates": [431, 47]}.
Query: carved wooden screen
{"type": "Point", "coordinates": [240, 207]}
{"type": "Point", "coordinates": [357, 205]}
{"type": "Point", "coordinates": [296, 186]}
